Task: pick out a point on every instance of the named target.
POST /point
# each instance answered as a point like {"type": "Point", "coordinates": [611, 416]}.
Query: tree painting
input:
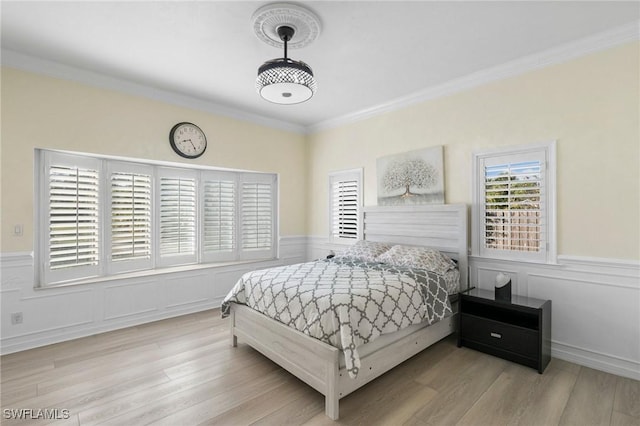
{"type": "Point", "coordinates": [414, 177]}
{"type": "Point", "coordinates": [409, 173]}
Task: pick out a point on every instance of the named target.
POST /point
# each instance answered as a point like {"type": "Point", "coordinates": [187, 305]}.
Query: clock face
{"type": "Point", "coordinates": [188, 140]}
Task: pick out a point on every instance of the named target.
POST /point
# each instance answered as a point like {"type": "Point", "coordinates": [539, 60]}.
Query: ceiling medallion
{"type": "Point", "coordinates": [267, 19]}
{"type": "Point", "coordinates": [284, 80]}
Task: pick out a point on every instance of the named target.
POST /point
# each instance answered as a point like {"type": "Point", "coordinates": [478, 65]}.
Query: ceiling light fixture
{"type": "Point", "coordinates": [284, 80]}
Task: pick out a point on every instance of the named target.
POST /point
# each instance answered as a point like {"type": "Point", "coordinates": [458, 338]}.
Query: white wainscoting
{"type": "Point", "coordinates": [595, 304]}
{"type": "Point", "coordinates": [57, 314]}
{"type": "Point", "coordinates": [595, 307]}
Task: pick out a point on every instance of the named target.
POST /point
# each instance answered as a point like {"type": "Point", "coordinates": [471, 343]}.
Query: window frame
{"type": "Point", "coordinates": [342, 176]}
{"type": "Point", "coordinates": [44, 271]}
{"type": "Point", "coordinates": [545, 151]}
{"type": "Point", "coordinates": [107, 165]}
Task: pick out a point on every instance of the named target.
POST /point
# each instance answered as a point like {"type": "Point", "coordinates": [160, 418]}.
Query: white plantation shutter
{"type": "Point", "coordinates": [258, 198]}
{"type": "Point", "coordinates": [514, 218]}
{"type": "Point", "coordinates": [177, 217]}
{"type": "Point", "coordinates": [99, 217]}
{"type": "Point", "coordinates": [73, 198]}
{"type": "Point", "coordinates": [219, 215]}
{"type": "Point", "coordinates": [344, 203]}
{"type": "Point", "coordinates": [130, 189]}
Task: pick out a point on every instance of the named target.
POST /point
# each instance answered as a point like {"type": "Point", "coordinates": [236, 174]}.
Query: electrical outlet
{"type": "Point", "coordinates": [16, 318]}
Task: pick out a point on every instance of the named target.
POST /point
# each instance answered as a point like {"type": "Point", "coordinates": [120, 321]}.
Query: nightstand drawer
{"type": "Point", "coordinates": [500, 335]}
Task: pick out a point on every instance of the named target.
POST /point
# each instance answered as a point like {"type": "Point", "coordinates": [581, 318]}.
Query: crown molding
{"type": "Point", "coordinates": [563, 53]}
{"type": "Point", "coordinates": [54, 69]}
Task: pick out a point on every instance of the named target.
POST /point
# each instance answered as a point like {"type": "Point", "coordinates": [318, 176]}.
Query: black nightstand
{"type": "Point", "coordinates": [519, 331]}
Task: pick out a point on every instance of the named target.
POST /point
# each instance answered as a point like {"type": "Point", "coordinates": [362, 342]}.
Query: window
{"type": "Point", "coordinates": [72, 218]}
{"type": "Point", "coordinates": [219, 211]}
{"type": "Point", "coordinates": [513, 206]}
{"type": "Point", "coordinates": [344, 200]}
{"type": "Point", "coordinates": [102, 216]}
{"type": "Point", "coordinates": [257, 216]}
{"type": "Point", "coordinates": [130, 188]}
{"type": "Point", "coordinates": [177, 216]}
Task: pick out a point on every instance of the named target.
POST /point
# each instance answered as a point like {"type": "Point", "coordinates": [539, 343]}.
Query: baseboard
{"type": "Point", "coordinates": [595, 316]}
{"type": "Point", "coordinates": [35, 340]}
{"type": "Point", "coordinates": [595, 360]}
{"type": "Point", "coordinates": [104, 306]}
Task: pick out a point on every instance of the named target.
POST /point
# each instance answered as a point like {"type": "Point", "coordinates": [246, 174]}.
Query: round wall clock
{"type": "Point", "coordinates": [188, 140]}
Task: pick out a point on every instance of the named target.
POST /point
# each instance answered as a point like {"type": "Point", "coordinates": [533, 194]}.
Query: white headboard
{"type": "Point", "coordinates": [440, 226]}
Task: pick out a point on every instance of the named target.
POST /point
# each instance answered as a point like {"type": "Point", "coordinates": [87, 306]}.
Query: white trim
{"type": "Point", "coordinates": [584, 281]}
{"type": "Point", "coordinates": [17, 258]}
{"type": "Point", "coordinates": [147, 162]}
{"type": "Point", "coordinates": [547, 152]}
{"type": "Point", "coordinates": [624, 268]}
{"type": "Point", "coordinates": [556, 55]}
{"type": "Point", "coordinates": [293, 240]}
{"type": "Point", "coordinates": [156, 272]}
{"type": "Point", "coordinates": [601, 261]}
{"type": "Point", "coordinates": [58, 70]}
{"type": "Point", "coordinates": [552, 201]}
{"type": "Point", "coordinates": [563, 53]}
{"type": "Point", "coordinates": [88, 328]}
{"type": "Point", "coordinates": [597, 360]}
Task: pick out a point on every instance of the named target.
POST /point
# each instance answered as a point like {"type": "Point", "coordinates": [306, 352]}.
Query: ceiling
{"type": "Point", "coordinates": [368, 53]}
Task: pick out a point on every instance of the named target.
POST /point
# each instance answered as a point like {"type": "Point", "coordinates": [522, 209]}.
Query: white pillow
{"type": "Point", "coordinates": [366, 251]}
{"type": "Point", "coordinates": [418, 257]}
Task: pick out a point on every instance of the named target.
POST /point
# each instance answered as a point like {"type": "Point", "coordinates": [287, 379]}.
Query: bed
{"type": "Point", "coordinates": [319, 362]}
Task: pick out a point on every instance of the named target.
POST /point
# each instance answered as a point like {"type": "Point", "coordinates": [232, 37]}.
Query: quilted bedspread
{"type": "Point", "coordinates": [344, 302]}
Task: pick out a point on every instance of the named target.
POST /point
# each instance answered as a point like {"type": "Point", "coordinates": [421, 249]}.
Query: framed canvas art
{"type": "Point", "coordinates": [414, 177]}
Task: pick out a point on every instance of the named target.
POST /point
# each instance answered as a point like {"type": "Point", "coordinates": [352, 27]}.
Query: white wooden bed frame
{"type": "Point", "coordinates": [318, 364]}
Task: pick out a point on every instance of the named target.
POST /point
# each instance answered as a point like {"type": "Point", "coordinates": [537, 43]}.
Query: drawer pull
{"type": "Point", "coordinates": [496, 335]}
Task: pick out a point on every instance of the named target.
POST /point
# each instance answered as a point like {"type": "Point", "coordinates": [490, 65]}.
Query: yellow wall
{"type": "Point", "coordinates": [589, 105]}
{"type": "Point", "coordinates": [44, 112]}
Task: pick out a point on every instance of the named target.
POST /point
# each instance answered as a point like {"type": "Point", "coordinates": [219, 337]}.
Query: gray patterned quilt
{"type": "Point", "coordinates": [343, 302]}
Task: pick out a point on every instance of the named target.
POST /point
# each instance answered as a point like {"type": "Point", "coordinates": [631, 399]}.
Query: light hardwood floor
{"type": "Point", "coordinates": [182, 371]}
